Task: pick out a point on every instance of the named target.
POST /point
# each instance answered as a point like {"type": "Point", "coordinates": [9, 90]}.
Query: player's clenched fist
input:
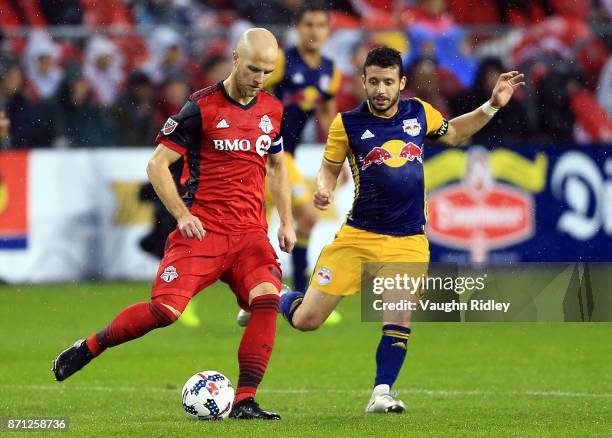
{"type": "Point", "coordinates": [190, 227]}
{"type": "Point", "coordinates": [323, 199]}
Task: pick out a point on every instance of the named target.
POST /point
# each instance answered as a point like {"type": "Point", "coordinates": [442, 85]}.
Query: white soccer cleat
{"type": "Point", "coordinates": [383, 402]}
{"type": "Point", "coordinates": [243, 317]}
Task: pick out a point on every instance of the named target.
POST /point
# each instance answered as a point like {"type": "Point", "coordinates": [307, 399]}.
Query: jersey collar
{"type": "Point", "coordinates": [235, 102]}
{"type": "Point", "coordinates": [311, 67]}
{"type": "Point", "coordinates": [368, 108]}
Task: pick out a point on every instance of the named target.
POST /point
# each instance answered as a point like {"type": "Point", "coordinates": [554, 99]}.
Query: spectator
{"type": "Point", "coordinates": [604, 89]}
{"type": "Point", "coordinates": [565, 37]}
{"type": "Point", "coordinates": [174, 95]}
{"type": "Point", "coordinates": [41, 61]}
{"type": "Point", "coordinates": [62, 12]}
{"type": "Point", "coordinates": [378, 14]}
{"type": "Point", "coordinates": [135, 115]}
{"type": "Point", "coordinates": [4, 49]}
{"type": "Point", "coordinates": [464, 12]}
{"type": "Point", "coordinates": [215, 69]}
{"type": "Point", "coordinates": [351, 91]}
{"type": "Point", "coordinates": [523, 12]}
{"type": "Point", "coordinates": [510, 125]}
{"type": "Point", "coordinates": [264, 12]}
{"type": "Point", "coordinates": [423, 81]}
{"type": "Point", "coordinates": [593, 124]}
{"type": "Point", "coordinates": [167, 55]}
{"type": "Point", "coordinates": [79, 122]}
{"type": "Point", "coordinates": [554, 116]}
{"type": "Point", "coordinates": [433, 34]}
{"type": "Point", "coordinates": [17, 107]}
{"type": "Point", "coordinates": [180, 13]}
{"type": "Point", "coordinates": [103, 70]}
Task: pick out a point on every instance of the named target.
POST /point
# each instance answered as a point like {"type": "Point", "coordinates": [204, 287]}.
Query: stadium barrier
{"type": "Point", "coordinates": [76, 215]}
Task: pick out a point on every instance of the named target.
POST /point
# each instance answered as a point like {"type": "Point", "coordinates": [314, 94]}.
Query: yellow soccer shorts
{"type": "Point", "coordinates": [338, 270]}
{"type": "Point", "coordinates": [300, 194]}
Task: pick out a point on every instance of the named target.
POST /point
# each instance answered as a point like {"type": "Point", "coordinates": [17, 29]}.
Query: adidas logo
{"type": "Point", "coordinates": [222, 124]}
{"type": "Point", "coordinates": [367, 134]}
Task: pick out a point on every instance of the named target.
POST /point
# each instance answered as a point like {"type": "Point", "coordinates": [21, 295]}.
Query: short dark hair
{"type": "Point", "coordinates": [384, 57]}
{"type": "Point", "coordinates": [310, 6]}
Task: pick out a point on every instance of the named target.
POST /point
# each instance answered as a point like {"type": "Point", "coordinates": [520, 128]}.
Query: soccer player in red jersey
{"type": "Point", "coordinates": [229, 134]}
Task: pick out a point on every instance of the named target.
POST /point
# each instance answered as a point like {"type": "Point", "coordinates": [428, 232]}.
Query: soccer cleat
{"type": "Point", "coordinates": [383, 402]}
{"type": "Point", "coordinates": [71, 360]}
{"type": "Point", "coordinates": [243, 317]}
{"type": "Point", "coordinates": [248, 409]}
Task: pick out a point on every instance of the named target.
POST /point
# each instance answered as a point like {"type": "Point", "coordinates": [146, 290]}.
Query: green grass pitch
{"type": "Point", "coordinates": [459, 379]}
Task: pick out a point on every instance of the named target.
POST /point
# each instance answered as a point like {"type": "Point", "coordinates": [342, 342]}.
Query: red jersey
{"type": "Point", "coordinates": [225, 146]}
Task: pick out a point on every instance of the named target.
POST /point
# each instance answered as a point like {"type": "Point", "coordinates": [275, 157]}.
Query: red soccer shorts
{"type": "Point", "coordinates": [242, 261]}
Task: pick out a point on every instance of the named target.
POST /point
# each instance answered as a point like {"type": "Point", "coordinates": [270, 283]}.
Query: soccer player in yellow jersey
{"type": "Point", "coordinates": [383, 142]}
{"type": "Point", "coordinates": [306, 82]}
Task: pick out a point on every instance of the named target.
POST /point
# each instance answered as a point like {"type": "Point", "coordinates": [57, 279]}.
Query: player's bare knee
{"type": "Point", "coordinates": [168, 308]}
{"type": "Point", "coordinates": [176, 312]}
{"type": "Point", "coordinates": [262, 289]}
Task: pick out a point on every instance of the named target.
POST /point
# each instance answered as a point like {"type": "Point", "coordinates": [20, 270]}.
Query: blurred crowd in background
{"type": "Point", "coordinates": [92, 73]}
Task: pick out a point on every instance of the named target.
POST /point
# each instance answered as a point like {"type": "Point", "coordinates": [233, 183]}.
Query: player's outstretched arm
{"type": "Point", "coordinates": [461, 128]}
{"type": "Point", "coordinates": [161, 178]}
{"type": "Point", "coordinates": [281, 193]}
{"type": "Point", "coordinates": [326, 184]}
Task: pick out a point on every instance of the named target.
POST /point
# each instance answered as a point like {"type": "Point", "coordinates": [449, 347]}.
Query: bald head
{"type": "Point", "coordinates": [257, 42]}
{"type": "Point", "coordinates": [254, 59]}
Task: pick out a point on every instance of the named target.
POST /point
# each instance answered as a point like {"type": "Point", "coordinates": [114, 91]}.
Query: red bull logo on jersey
{"type": "Point", "coordinates": [324, 276]}
{"type": "Point", "coordinates": [307, 99]}
{"type": "Point", "coordinates": [393, 153]}
{"type": "Point", "coordinates": [412, 127]}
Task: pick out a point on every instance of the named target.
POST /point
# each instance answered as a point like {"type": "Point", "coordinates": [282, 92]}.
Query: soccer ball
{"type": "Point", "coordinates": [208, 395]}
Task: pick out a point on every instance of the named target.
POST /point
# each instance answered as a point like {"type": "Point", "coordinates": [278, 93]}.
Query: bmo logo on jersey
{"type": "Point", "coordinates": [262, 144]}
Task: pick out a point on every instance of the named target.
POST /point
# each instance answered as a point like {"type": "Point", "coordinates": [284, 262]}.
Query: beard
{"type": "Point", "coordinates": [308, 47]}
{"type": "Point", "coordinates": [392, 102]}
{"type": "Point", "coordinates": [247, 91]}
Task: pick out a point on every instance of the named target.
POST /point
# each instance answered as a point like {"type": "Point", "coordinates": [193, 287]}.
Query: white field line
{"type": "Point", "coordinates": [419, 391]}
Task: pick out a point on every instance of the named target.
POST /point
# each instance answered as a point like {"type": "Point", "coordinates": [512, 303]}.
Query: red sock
{"type": "Point", "coordinates": [256, 345]}
{"type": "Point", "coordinates": [133, 322]}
